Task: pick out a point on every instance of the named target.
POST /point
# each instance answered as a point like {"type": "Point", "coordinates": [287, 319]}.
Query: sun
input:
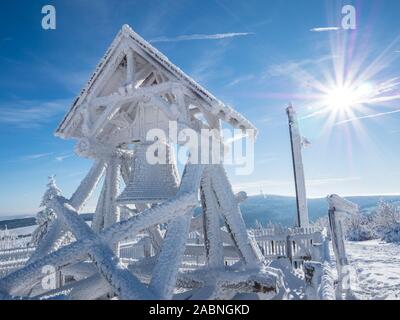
{"type": "Point", "coordinates": [340, 98]}
{"type": "Point", "coordinates": [346, 97]}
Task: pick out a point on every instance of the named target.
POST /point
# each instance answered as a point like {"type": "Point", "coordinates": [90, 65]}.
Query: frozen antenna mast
{"type": "Point", "coordinates": [296, 142]}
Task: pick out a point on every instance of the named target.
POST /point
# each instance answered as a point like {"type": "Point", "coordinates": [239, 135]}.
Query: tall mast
{"type": "Point", "coordinates": [298, 170]}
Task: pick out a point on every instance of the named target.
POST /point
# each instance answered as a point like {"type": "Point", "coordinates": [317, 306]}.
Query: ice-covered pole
{"type": "Point", "coordinates": [296, 144]}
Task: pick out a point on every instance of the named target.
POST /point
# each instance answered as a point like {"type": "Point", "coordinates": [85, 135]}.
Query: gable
{"type": "Point", "coordinates": [131, 68]}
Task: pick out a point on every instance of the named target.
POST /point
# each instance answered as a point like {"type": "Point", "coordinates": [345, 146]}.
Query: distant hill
{"type": "Point", "coordinates": [277, 209]}
{"type": "Point", "coordinates": [17, 223]}
{"type": "Point", "coordinates": [30, 221]}
{"type": "Point", "coordinates": [281, 209]}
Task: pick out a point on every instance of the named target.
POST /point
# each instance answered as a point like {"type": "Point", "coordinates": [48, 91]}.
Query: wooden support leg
{"type": "Point", "coordinates": [98, 218]}
{"type": "Point", "coordinates": [233, 217]}
{"type": "Point", "coordinates": [170, 258]}
{"type": "Point", "coordinates": [212, 231]}
{"type": "Point", "coordinates": [87, 185]}
{"type": "Point", "coordinates": [47, 244]}
{"type": "Point", "coordinates": [112, 180]}
{"type": "Point", "coordinates": [166, 271]}
{"type": "Point", "coordinates": [154, 231]}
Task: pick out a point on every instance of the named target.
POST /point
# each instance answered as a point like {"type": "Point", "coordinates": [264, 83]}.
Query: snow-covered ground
{"type": "Point", "coordinates": [375, 272]}
{"type": "Point", "coordinates": [376, 269]}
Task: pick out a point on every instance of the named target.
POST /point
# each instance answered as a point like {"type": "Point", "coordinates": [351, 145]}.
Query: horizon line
{"type": "Point", "coordinates": [249, 195]}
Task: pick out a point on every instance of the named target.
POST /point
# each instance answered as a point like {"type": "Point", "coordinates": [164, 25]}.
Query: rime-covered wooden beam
{"type": "Point", "coordinates": [49, 243]}
{"type": "Point", "coordinates": [21, 281]}
{"type": "Point", "coordinates": [130, 67]}
{"type": "Point", "coordinates": [125, 95]}
{"type": "Point", "coordinates": [225, 284]}
{"type": "Point", "coordinates": [211, 225]}
{"type": "Point", "coordinates": [165, 273]}
{"type": "Point", "coordinates": [112, 180]}
{"type": "Point", "coordinates": [233, 218]}
{"type": "Point", "coordinates": [153, 231]}
{"type": "Point", "coordinates": [88, 184]}
{"type": "Point", "coordinates": [161, 213]}
{"type": "Point", "coordinates": [51, 240]}
{"type": "Point", "coordinates": [124, 284]}
{"type": "Point", "coordinates": [99, 213]}
{"type": "Point", "coordinates": [90, 288]}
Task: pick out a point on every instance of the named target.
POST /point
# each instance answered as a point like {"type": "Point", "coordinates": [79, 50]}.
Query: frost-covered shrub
{"type": "Point", "coordinates": [392, 234]}
{"type": "Point", "coordinates": [321, 223]}
{"type": "Point", "coordinates": [359, 228]}
{"type": "Point", "coordinates": [383, 223]}
{"type": "Point", "coordinates": [386, 216]}
{"type": "Point", "coordinates": [386, 221]}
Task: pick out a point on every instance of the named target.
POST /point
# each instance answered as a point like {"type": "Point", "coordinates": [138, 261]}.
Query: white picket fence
{"type": "Point", "coordinates": [13, 259]}
{"type": "Point", "coordinates": [9, 240]}
{"type": "Point", "coordinates": [296, 244]}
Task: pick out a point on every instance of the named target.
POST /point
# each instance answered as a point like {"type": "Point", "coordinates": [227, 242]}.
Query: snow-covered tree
{"type": "Point", "coordinates": [386, 215]}
{"type": "Point", "coordinates": [359, 227]}
{"type": "Point", "coordinates": [386, 221]}
{"type": "Point", "coordinates": [45, 217]}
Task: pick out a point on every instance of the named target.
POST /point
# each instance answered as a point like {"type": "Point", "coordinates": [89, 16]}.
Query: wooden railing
{"type": "Point", "coordinates": [13, 259]}
{"type": "Point", "coordinates": [297, 244]}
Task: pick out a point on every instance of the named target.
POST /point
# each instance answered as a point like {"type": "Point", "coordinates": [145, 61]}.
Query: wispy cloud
{"type": "Point", "coordinates": [238, 80]}
{"type": "Point", "coordinates": [63, 157]}
{"type": "Point", "coordinates": [36, 156]}
{"type": "Point", "coordinates": [30, 113]}
{"type": "Point", "coordinates": [295, 68]}
{"type": "Point", "coordinates": [190, 37]}
{"type": "Point", "coordinates": [204, 68]}
{"type": "Point", "coordinates": [324, 29]}
{"type": "Point", "coordinates": [369, 116]}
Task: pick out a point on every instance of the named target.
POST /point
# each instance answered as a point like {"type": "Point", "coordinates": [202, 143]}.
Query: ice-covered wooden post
{"type": "Point", "coordinates": [318, 275]}
{"type": "Point", "coordinates": [338, 209]}
{"type": "Point", "coordinates": [298, 170]}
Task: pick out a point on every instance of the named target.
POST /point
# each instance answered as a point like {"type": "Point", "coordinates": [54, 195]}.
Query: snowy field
{"type": "Point", "coordinates": [376, 269]}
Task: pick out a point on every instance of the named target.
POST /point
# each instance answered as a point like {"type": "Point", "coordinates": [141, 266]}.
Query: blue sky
{"type": "Point", "coordinates": [355, 152]}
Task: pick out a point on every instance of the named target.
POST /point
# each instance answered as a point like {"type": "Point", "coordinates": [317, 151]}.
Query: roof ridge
{"type": "Point", "coordinates": [127, 31]}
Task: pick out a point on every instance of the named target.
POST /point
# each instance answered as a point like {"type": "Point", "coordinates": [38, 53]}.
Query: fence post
{"type": "Point", "coordinates": [289, 248]}
{"type": "Point", "coordinates": [312, 277]}
{"type": "Point", "coordinates": [339, 207]}
{"type": "Point", "coordinates": [320, 247]}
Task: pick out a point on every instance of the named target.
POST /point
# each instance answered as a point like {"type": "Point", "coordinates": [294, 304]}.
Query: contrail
{"type": "Point", "coordinates": [375, 115]}
{"type": "Point", "coordinates": [201, 37]}
{"type": "Point", "coordinates": [323, 29]}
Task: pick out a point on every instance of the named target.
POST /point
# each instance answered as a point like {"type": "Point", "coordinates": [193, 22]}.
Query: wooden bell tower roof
{"type": "Point", "coordinates": [133, 73]}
